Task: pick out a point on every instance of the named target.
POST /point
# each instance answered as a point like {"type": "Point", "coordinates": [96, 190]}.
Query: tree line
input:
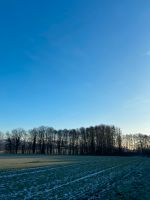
{"type": "Point", "coordinates": [136, 143]}
{"type": "Point", "coordinates": [94, 140]}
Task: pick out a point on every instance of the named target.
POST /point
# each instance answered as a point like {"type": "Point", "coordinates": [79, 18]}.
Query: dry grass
{"type": "Point", "coordinates": [20, 162]}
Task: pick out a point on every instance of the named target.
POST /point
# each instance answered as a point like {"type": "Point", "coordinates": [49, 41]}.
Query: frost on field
{"type": "Point", "coordinates": [92, 178]}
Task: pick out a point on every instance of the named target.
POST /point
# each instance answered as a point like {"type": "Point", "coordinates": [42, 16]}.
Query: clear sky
{"type": "Point", "coordinates": [73, 63]}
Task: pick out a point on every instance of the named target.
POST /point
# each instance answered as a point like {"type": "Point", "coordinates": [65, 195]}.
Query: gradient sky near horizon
{"type": "Point", "coordinates": [68, 64]}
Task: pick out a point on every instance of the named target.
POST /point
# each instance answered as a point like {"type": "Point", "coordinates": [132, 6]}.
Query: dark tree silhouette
{"type": "Point", "coordinates": [94, 140]}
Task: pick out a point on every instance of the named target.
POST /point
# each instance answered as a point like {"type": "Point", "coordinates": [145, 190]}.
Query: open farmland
{"type": "Point", "coordinates": [74, 177]}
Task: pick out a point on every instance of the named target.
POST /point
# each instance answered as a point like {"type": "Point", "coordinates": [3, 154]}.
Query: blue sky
{"type": "Point", "coordinates": [78, 63]}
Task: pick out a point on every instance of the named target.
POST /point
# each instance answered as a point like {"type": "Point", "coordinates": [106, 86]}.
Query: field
{"type": "Point", "coordinates": [74, 177]}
